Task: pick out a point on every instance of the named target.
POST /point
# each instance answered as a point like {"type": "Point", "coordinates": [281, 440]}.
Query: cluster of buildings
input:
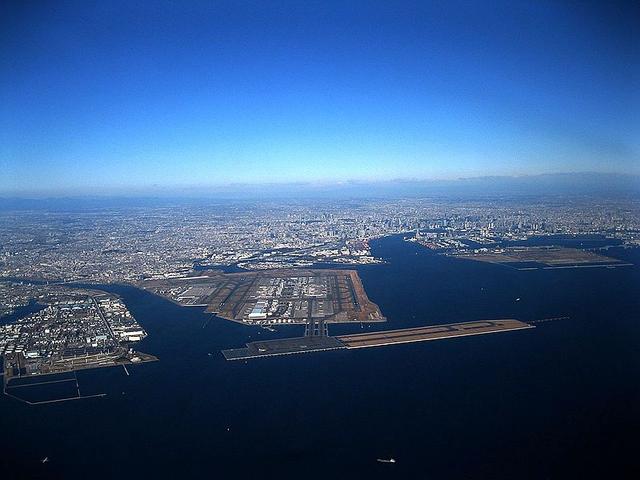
{"type": "Point", "coordinates": [69, 324]}
{"type": "Point", "coordinates": [288, 300]}
{"type": "Point", "coordinates": [14, 296]}
{"type": "Point", "coordinates": [123, 326]}
{"type": "Point", "coordinates": [131, 244]}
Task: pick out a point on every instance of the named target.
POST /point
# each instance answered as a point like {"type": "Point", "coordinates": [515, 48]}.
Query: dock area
{"type": "Point", "coordinates": [309, 344]}
{"type": "Point", "coordinates": [434, 332]}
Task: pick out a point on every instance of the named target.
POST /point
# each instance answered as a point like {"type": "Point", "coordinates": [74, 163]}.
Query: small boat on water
{"type": "Point", "coordinates": [386, 460]}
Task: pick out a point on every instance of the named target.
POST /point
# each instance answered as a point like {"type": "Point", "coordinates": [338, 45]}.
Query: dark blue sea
{"type": "Point", "coordinates": [558, 401]}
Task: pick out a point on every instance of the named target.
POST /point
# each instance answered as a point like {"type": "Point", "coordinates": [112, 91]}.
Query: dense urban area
{"type": "Point", "coordinates": [67, 329]}
{"type": "Point", "coordinates": [131, 244]}
{"type": "Point", "coordinates": [41, 252]}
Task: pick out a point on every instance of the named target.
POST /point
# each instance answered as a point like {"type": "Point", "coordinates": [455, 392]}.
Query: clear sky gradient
{"type": "Point", "coordinates": [116, 95]}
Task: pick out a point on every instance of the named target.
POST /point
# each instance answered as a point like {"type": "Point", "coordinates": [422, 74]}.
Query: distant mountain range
{"type": "Point", "coordinates": [583, 183]}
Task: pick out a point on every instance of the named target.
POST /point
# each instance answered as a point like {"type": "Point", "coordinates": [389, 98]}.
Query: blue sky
{"type": "Point", "coordinates": [109, 95]}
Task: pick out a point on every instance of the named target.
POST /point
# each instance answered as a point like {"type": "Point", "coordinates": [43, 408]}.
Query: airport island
{"type": "Point", "coordinates": [312, 297]}
{"type": "Point", "coordinates": [264, 265]}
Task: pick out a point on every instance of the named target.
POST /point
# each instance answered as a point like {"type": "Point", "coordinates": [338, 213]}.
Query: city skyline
{"type": "Point", "coordinates": [115, 98]}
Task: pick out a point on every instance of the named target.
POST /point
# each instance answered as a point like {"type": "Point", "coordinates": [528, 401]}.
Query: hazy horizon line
{"type": "Point", "coordinates": [227, 187]}
{"type": "Point", "coordinates": [581, 180]}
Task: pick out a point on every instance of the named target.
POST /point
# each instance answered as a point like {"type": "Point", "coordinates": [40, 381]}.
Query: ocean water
{"type": "Point", "coordinates": [558, 401]}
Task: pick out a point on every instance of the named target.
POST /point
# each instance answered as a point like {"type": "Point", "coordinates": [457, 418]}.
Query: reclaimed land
{"type": "Point", "coordinates": [435, 332]}
{"type": "Point", "coordinates": [231, 295]}
{"type": "Point", "coordinates": [543, 257]}
{"type": "Point", "coordinates": [289, 346]}
{"type": "Point", "coordinates": [15, 366]}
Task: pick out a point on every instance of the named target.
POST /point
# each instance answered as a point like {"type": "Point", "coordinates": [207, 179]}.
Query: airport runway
{"type": "Point", "coordinates": [434, 332]}
{"type": "Point", "coordinates": [374, 339]}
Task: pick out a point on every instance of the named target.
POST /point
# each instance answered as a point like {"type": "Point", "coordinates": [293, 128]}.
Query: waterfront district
{"type": "Point", "coordinates": [71, 329]}
{"type": "Point", "coordinates": [253, 263]}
